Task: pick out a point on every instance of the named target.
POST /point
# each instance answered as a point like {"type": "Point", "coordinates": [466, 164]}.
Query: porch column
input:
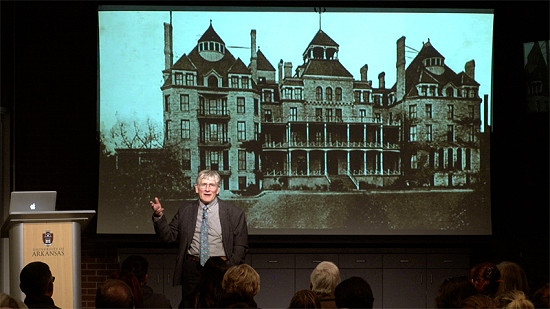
{"type": "Point", "coordinates": [307, 134]}
{"type": "Point", "coordinates": [365, 162]}
{"type": "Point", "coordinates": [326, 159]}
{"type": "Point", "coordinates": [348, 163]}
{"type": "Point", "coordinates": [325, 133]}
{"type": "Point", "coordinates": [382, 162]}
{"type": "Point", "coordinates": [288, 134]}
{"type": "Point", "coordinates": [307, 157]}
{"type": "Point", "coordinates": [347, 133]}
{"type": "Point", "coordinates": [289, 160]}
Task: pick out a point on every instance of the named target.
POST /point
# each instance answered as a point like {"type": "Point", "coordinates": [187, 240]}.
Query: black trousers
{"type": "Point", "coordinates": [192, 271]}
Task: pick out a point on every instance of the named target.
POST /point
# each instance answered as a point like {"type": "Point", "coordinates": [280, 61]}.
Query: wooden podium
{"type": "Point", "coordinates": [51, 237]}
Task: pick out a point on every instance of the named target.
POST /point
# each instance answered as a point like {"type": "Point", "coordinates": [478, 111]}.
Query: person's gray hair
{"type": "Point", "coordinates": [325, 277]}
{"type": "Point", "coordinates": [209, 174]}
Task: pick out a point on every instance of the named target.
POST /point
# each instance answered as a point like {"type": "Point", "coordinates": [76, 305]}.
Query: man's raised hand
{"type": "Point", "coordinates": [157, 207]}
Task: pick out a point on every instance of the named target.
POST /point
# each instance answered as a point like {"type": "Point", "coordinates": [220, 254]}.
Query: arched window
{"type": "Point", "coordinates": [212, 81]}
{"type": "Point", "coordinates": [450, 92]}
{"type": "Point", "coordinates": [338, 94]}
{"type": "Point", "coordinates": [329, 94]}
{"type": "Point", "coordinates": [319, 94]}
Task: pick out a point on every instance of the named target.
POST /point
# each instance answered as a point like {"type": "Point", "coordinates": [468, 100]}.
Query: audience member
{"type": "Point", "coordinates": [354, 292]}
{"type": "Point", "coordinates": [139, 266]}
{"type": "Point", "coordinates": [513, 277]}
{"type": "Point", "coordinates": [240, 284]}
{"type": "Point", "coordinates": [541, 297]}
{"type": "Point", "coordinates": [305, 299]}
{"type": "Point", "coordinates": [114, 293]}
{"type": "Point", "coordinates": [323, 280]}
{"type": "Point", "coordinates": [7, 301]}
{"type": "Point", "coordinates": [132, 281]}
{"type": "Point", "coordinates": [209, 290]}
{"type": "Point", "coordinates": [486, 278]}
{"type": "Point", "coordinates": [513, 299]}
{"type": "Point", "coordinates": [36, 281]}
{"type": "Point", "coordinates": [453, 291]}
{"type": "Point", "coordinates": [479, 301]}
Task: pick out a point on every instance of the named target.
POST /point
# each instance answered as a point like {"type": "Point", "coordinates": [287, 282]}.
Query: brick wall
{"type": "Point", "coordinates": [99, 261]}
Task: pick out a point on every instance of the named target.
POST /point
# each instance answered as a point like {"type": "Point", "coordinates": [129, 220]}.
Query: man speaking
{"type": "Point", "coordinates": [208, 227]}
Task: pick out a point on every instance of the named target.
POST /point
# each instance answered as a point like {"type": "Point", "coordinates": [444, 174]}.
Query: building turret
{"type": "Point", "coordinates": [211, 46]}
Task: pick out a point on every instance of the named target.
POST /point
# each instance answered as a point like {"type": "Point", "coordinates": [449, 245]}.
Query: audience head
{"type": "Point", "coordinates": [513, 277]}
{"type": "Point", "coordinates": [7, 301]}
{"type": "Point", "coordinates": [114, 293]}
{"type": "Point", "coordinates": [36, 279]}
{"type": "Point", "coordinates": [354, 292]}
{"type": "Point", "coordinates": [138, 265]}
{"type": "Point", "coordinates": [241, 280]}
{"type": "Point", "coordinates": [453, 291]}
{"type": "Point", "coordinates": [479, 301]}
{"type": "Point", "coordinates": [486, 278]}
{"type": "Point", "coordinates": [514, 299]}
{"type": "Point", "coordinates": [132, 281]}
{"type": "Point", "coordinates": [324, 278]}
{"type": "Point", "coordinates": [304, 299]}
{"type": "Point", "coordinates": [541, 297]}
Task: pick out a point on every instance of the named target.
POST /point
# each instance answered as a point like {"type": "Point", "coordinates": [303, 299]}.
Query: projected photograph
{"type": "Point", "coordinates": [319, 121]}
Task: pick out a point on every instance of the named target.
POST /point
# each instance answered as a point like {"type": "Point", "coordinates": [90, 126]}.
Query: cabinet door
{"type": "Point", "coordinates": [404, 288]}
{"type": "Point", "coordinates": [276, 279]}
{"type": "Point", "coordinates": [404, 279]}
{"type": "Point", "coordinates": [276, 287]}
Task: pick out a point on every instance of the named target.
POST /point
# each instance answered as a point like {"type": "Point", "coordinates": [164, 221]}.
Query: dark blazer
{"type": "Point", "coordinates": [182, 229]}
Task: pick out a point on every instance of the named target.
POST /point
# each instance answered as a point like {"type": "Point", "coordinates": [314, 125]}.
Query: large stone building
{"type": "Point", "coordinates": [316, 125]}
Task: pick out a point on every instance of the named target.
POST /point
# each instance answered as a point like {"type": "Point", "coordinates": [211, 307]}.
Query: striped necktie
{"type": "Point", "coordinates": [204, 249]}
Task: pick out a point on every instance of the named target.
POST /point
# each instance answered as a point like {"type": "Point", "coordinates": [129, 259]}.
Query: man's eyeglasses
{"type": "Point", "coordinates": [209, 185]}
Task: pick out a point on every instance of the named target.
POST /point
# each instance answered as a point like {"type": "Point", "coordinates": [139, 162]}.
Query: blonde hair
{"type": "Point", "coordinates": [325, 277]}
{"type": "Point", "coordinates": [514, 299]}
{"type": "Point", "coordinates": [242, 280]}
{"type": "Point", "coordinates": [209, 174]}
{"type": "Point", "coordinates": [513, 277]}
{"type": "Point", "coordinates": [7, 301]}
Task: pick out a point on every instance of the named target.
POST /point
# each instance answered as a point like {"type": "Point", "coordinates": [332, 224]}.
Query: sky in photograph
{"type": "Point", "coordinates": [131, 46]}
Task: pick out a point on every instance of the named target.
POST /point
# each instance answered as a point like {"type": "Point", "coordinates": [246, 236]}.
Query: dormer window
{"type": "Point", "coordinates": [435, 61]}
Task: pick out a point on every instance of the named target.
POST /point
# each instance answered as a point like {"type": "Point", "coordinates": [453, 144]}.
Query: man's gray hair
{"type": "Point", "coordinates": [325, 277]}
{"type": "Point", "coordinates": [209, 174]}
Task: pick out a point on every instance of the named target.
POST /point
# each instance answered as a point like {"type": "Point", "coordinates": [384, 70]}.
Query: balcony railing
{"type": "Point", "coordinates": [216, 114]}
{"type": "Point", "coordinates": [350, 174]}
{"type": "Point", "coordinates": [331, 119]}
{"type": "Point", "coordinates": [219, 142]}
{"type": "Point", "coordinates": [330, 144]}
{"type": "Point", "coordinates": [387, 172]}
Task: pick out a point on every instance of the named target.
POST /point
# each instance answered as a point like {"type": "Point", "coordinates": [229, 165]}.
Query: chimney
{"type": "Point", "coordinates": [253, 56]}
{"type": "Point", "coordinates": [382, 80]}
{"type": "Point", "coordinates": [364, 71]}
{"type": "Point", "coordinates": [288, 69]}
{"type": "Point", "coordinates": [168, 53]}
{"type": "Point", "coordinates": [470, 69]}
{"type": "Point", "coordinates": [281, 77]}
{"type": "Point", "coordinates": [400, 65]}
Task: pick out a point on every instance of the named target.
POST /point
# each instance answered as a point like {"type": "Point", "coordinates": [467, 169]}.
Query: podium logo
{"type": "Point", "coordinates": [47, 238]}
